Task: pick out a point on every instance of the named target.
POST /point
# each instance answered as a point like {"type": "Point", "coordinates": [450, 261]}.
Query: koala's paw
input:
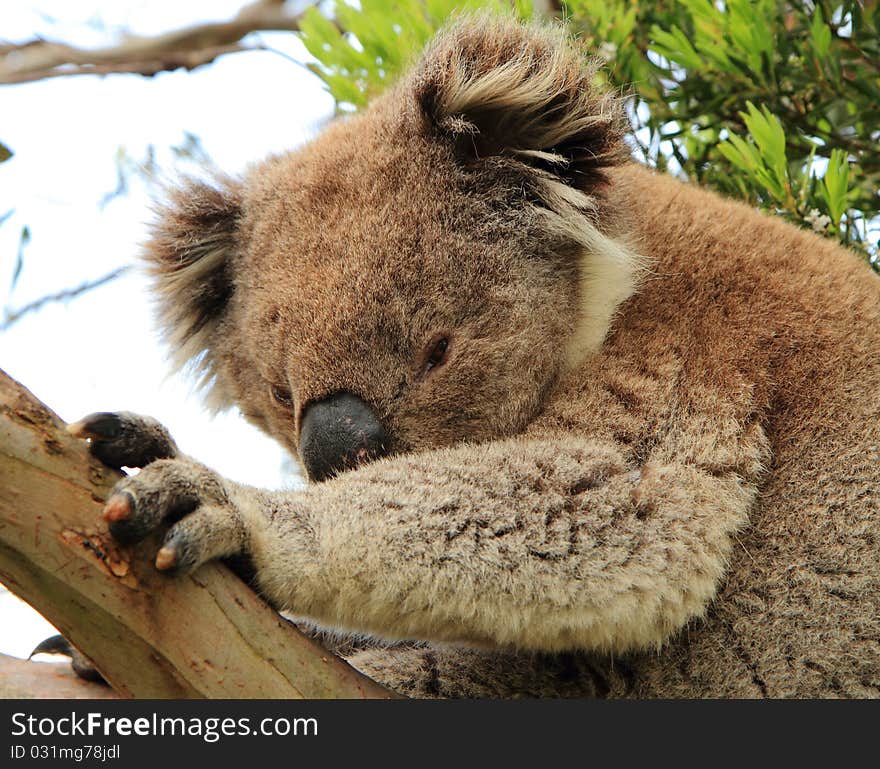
{"type": "Point", "coordinates": [206, 522]}
{"type": "Point", "coordinates": [122, 439]}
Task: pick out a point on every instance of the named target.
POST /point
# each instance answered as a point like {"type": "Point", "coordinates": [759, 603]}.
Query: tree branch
{"type": "Point", "coordinates": [188, 48]}
{"type": "Point", "coordinates": [21, 679]}
{"type": "Point", "coordinates": [205, 635]}
{"type": "Point", "coordinates": [12, 316]}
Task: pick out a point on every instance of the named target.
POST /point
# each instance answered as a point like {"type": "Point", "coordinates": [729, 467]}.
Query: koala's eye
{"type": "Point", "coordinates": [282, 396]}
{"type": "Point", "coordinates": [437, 349]}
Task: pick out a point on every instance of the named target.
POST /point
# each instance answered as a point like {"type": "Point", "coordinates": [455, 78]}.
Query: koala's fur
{"type": "Point", "coordinates": [650, 465]}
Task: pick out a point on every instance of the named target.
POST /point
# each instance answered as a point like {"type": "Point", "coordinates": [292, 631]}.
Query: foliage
{"type": "Point", "coordinates": [775, 102]}
{"type": "Point", "coordinates": [362, 50]}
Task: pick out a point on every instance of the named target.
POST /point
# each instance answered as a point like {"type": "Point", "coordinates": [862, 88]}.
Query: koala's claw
{"type": "Point", "coordinates": [122, 439]}
{"type": "Point", "coordinates": [206, 524]}
{"type": "Point", "coordinates": [82, 665]}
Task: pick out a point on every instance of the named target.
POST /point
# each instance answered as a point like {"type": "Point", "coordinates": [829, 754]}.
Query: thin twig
{"type": "Point", "coordinates": [12, 316]}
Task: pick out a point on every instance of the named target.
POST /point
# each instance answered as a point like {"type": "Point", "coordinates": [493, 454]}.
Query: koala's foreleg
{"type": "Point", "coordinates": [532, 545]}
{"type": "Point", "coordinates": [521, 543]}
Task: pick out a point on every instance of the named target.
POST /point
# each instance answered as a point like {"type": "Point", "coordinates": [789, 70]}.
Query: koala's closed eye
{"type": "Point", "coordinates": [281, 396]}
{"type": "Point", "coordinates": [435, 352]}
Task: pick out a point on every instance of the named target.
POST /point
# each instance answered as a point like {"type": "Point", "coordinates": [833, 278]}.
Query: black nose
{"type": "Point", "coordinates": [338, 433]}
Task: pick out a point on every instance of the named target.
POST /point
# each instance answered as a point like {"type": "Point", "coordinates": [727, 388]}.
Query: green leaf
{"type": "Point", "coordinates": [835, 185]}
{"type": "Point", "coordinates": [739, 152]}
{"type": "Point", "coordinates": [523, 9]}
{"type": "Point", "coordinates": [769, 135]}
{"type": "Point", "coordinates": [676, 47]}
{"type": "Point", "coordinates": [764, 161]}
{"type": "Point", "coordinates": [5, 153]}
{"type": "Point", "coordinates": [345, 91]}
{"type": "Point", "coordinates": [820, 34]}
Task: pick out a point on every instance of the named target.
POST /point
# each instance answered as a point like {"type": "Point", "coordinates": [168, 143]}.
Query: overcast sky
{"type": "Point", "coordinates": [100, 352]}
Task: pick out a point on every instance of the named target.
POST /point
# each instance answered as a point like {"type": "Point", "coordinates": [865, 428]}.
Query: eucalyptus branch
{"type": "Point", "coordinates": [186, 48]}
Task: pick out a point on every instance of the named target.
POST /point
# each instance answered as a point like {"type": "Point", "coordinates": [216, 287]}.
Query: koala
{"type": "Point", "coordinates": [571, 427]}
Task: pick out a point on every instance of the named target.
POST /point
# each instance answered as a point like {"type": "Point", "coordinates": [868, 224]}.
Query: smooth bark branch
{"type": "Point", "coordinates": [206, 635]}
{"type": "Point", "coordinates": [189, 48]}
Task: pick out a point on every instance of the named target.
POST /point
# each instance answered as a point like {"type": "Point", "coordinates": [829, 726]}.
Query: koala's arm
{"type": "Point", "coordinates": [533, 543]}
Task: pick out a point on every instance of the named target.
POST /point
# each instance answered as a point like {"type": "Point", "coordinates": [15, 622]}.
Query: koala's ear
{"type": "Point", "coordinates": [496, 87]}
{"type": "Point", "coordinates": [189, 256]}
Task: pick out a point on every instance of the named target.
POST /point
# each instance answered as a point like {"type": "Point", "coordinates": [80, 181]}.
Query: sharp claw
{"type": "Point", "coordinates": [82, 665]}
{"type": "Point", "coordinates": [118, 508]}
{"type": "Point", "coordinates": [56, 644]}
{"type": "Point", "coordinates": [166, 558]}
{"type": "Point", "coordinates": [101, 426]}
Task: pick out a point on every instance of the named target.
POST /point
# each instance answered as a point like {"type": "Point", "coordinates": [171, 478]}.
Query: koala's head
{"type": "Point", "coordinates": [420, 274]}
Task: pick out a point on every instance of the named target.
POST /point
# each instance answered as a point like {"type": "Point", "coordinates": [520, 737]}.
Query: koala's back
{"type": "Point", "coordinates": [784, 325]}
{"type": "Point", "coordinates": [740, 301]}
{"type": "Point", "coordinates": [789, 322]}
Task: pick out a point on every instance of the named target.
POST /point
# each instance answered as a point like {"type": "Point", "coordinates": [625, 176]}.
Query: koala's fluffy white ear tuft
{"type": "Point", "coordinates": [524, 91]}
{"type": "Point", "coordinates": [188, 256]}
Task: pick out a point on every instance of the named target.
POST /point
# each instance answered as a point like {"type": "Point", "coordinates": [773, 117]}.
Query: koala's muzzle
{"type": "Point", "coordinates": [338, 433]}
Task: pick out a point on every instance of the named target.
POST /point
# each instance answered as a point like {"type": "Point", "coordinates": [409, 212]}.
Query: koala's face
{"type": "Point", "coordinates": [408, 280]}
{"type": "Point", "coordinates": [372, 265]}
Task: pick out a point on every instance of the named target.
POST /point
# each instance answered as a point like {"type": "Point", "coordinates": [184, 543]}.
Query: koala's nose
{"type": "Point", "coordinates": [338, 433]}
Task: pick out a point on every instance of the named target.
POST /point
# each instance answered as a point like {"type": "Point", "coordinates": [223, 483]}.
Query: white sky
{"type": "Point", "coordinates": [99, 352]}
